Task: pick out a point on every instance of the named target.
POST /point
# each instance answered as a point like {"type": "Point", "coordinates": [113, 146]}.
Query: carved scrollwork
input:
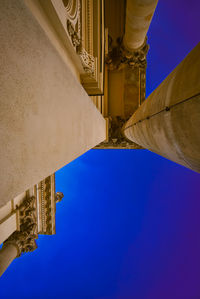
{"type": "Point", "coordinates": [47, 207]}
{"type": "Point", "coordinates": [47, 196]}
{"type": "Point", "coordinates": [75, 38]}
{"type": "Point", "coordinates": [24, 240]}
{"type": "Point", "coordinates": [72, 8]}
{"type": "Point", "coordinates": [73, 12]}
{"type": "Point", "coordinates": [73, 16]}
{"type": "Point", "coordinates": [87, 61]}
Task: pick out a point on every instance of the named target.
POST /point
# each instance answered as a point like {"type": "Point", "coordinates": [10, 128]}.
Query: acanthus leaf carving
{"type": "Point", "coordinates": [74, 32]}
{"type": "Point", "coordinates": [24, 239]}
{"type": "Point", "coordinates": [87, 60]}
{"type": "Point", "coordinates": [118, 56]}
{"type": "Point", "coordinates": [75, 38]}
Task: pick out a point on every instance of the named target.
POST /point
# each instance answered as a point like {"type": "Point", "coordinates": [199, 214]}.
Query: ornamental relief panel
{"type": "Point", "coordinates": [76, 29]}
{"type": "Point", "coordinates": [83, 24]}
{"type": "Point", "coordinates": [73, 22]}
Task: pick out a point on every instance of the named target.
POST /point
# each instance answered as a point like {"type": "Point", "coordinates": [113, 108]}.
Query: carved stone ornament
{"type": "Point", "coordinates": [75, 38]}
{"type": "Point", "coordinates": [119, 56]}
{"type": "Point", "coordinates": [24, 240]}
{"type": "Point", "coordinates": [59, 196]}
{"type": "Point", "coordinates": [73, 16]}
{"type": "Point", "coordinates": [116, 137]}
{"type": "Point", "coordinates": [87, 61]}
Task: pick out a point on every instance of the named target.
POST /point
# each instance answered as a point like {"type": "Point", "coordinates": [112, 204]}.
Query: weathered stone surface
{"type": "Point", "coordinates": [168, 122]}
{"type": "Point", "coordinates": [46, 117]}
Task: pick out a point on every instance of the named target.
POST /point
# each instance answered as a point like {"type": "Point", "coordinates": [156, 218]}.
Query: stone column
{"type": "Point", "coordinates": [168, 122]}
{"type": "Point", "coordinates": [7, 254]}
{"type": "Point", "coordinates": [138, 18]}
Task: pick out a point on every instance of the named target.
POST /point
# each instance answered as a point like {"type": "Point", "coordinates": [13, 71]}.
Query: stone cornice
{"type": "Point", "coordinates": [48, 206]}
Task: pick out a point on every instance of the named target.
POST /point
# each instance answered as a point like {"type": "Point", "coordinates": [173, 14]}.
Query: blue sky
{"type": "Point", "coordinates": [128, 226]}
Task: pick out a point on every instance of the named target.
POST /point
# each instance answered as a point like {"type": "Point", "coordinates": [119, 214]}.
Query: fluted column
{"type": "Point", "coordinates": [168, 122]}
{"type": "Point", "coordinates": [139, 14]}
{"type": "Point", "coordinates": [7, 254]}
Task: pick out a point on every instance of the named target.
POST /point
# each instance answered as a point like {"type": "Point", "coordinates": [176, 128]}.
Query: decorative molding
{"type": "Point", "coordinates": [142, 84]}
{"type": "Point", "coordinates": [89, 26]}
{"type": "Point", "coordinates": [73, 14]}
{"type": "Point", "coordinates": [118, 57]}
{"type": "Point", "coordinates": [47, 209]}
{"type": "Point", "coordinates": [73, 21]}
{"type": "Point", "coordinates": [24, 240]}
{"type": "Point", "coordinates": [47, 203]}
{"type": "Point", "coordinates": [116, 139]}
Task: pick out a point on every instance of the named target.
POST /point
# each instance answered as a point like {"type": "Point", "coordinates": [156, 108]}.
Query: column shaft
{"type": "Point", "coordinates": [168, 122]}
{"type": "Point", "coordinates": [7, 254]}
{"type": "Point", "coordinates": [139, 14]}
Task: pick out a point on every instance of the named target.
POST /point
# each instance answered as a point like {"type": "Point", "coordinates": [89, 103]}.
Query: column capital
{"type": "Point", "coordinates": [136, 58]}
{"type": "Point", "coordinates": [119, 56]}
{"type": "Point", "coordinates": [24, 239]}
{"type": "Point", "coordinates": [116, 138]}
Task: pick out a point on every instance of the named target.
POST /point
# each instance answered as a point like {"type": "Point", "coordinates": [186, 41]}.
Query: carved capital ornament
{"type": "Point", "coordinates": [116, 138]}
{"type": "Point", "coordinates": [119, 56]}
{"type": "Point", "coordinates": [24, 239]}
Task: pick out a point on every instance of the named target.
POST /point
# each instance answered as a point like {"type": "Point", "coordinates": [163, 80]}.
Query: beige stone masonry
{"type": "Point", "coordinates": [46, 118]}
